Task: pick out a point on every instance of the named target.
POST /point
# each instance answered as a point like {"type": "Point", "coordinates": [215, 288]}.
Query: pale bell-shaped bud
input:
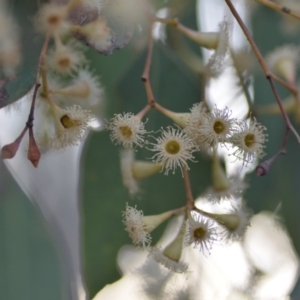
{"type": "Point", "coordinates": [139, 226]}
{"type": "Point", "coordinates": [174, 250]}
{"type": "Point", "coordinates": [207, 40]}
{"type": "Point", "coordinates": [230, 221]}
{"type": "Point", "coordinates": [181, 119]}
{"type": "Point", "coordinates": [170, 256]}
{"type": "Point", "coordinates": [235, 222]}
{"type": "Point", "coordinates": [219, 177]}
{"type": "Point", "coordinates": [153, 221]}
{"type": "Point", "coordinates": [143, 169]}
{"type": "Point", "coordinates": [285, 67]}
{"type": "Point", "coordinates": [80, 89]}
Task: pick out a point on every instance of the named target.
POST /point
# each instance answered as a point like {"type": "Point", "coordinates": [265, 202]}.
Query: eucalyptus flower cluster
{"type": "Point", "coordinates": [202, 130]}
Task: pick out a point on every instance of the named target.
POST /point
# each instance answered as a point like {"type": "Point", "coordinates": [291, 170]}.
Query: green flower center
{"type": "Point", "coordinates": [126, 131]}
{"type": "Point", "coordinates": [199, 233]}
{"type": "Point", "coordinates": [249, 140]}
{"type": "Point", "coordinates": [172, 147]}
{"type": "Point", "coordinates": [219, 127]}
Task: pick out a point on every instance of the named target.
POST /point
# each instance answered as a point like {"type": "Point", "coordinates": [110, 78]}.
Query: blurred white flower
{"type": "Point", "coordinates": [228, 273]}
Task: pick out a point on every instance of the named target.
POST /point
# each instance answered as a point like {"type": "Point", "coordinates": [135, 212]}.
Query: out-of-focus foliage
{"type": "Point", "coordinates": [29, 264]}
{"type": "Point", "coordinates": [18, 84]}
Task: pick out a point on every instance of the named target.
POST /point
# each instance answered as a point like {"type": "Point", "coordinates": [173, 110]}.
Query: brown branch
{"type": "Point", "coordinates": [10, 150]}
{"type": "Point", "coordinates": [143, 112]}
{"type": "Point", "coordinates": [146, 73]}
{"type": "Point", "coordinates": [41, 63]}
{"type": "Point", "coordinates": [187, 183]}
{"type": "Point", "coordinates": [265, 68]}
{"type": "Point", "coordinates": [280, 8]}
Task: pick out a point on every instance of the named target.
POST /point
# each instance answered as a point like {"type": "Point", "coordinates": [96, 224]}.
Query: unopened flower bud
{"type": "Point", "coordinates": [207, 40]}
{"type": "Point", "coordinates": [170, 256]}
{"type": "Point", "coordinates": [181, 119]}
{"type": "Point", "coordinates": [235, 222]}
{"type": "Point", "coordinates": [10, 150]}
{"type": "Point", "coordinates": [34, 153]}
{"type": "Point", "coordinates": [219, 177]}
{"type": "Point", "coordinates": [139, 226]}
{"type": "Point", "coordinates": [142, 169]}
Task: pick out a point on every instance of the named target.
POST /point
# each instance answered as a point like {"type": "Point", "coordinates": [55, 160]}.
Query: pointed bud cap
{"type": "Point", "coordinates": [235, 222]}
{"type": "Point", "coordinates": [10, 150]}
{"type": "Point", "coordinates": [170, 256]}
{"type": "Point", "coordinates": [181, 119]}
{"type": "Point", "coordinates": [143, 169]}
{"type": "Point", "coordinates": [207, 40]}
{"type": "Point", "coordinates": [173, 251]}
{"type": "Point", "coordinates": [219, 177]}
{"type": "Point", "coordinates": [153, 221]}
{"type": "Point", "coordinates": [34, 153]}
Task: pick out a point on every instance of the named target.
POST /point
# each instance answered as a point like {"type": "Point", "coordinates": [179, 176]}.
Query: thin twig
{"type": "Point", "coordinates": [280, 8]}
{"type": "Point", "coordinates": [146, 73]}
{"type": "Point", "coordinates": [263, 168]}
{"type": "Point", "coordinates": [264, 67]}
{"type": "Point", "coordinates": [188, 189]}
{"type": "Point", "coordinates": [41, 63]}
{"type": "Point", "coordinates": [143, 112]}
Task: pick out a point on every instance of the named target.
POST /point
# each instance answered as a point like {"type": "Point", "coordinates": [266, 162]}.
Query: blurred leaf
{"type": "Point", "coordinates": [31, 44]}
{"type": "Point", "coordinates": [30, 268]}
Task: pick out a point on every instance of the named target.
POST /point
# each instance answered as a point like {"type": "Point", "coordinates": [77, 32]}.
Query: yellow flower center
{"type": "Point", "coordinates": [199, 233]}
{"type": "Point", "coordinates": [219, 127]}
{"type": "Point", "coordinates": [53, 20]}
{"type": "Point", "coordinates": [67, 122]}
{"type": "Point", "coordinates": [126, 131]}
{"type": "Point", "coordinates": [64, 62]}
{"type": "Point", "coordinates": [249, 140]}
{"type": "Point", "coordinates": [172, 147]}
